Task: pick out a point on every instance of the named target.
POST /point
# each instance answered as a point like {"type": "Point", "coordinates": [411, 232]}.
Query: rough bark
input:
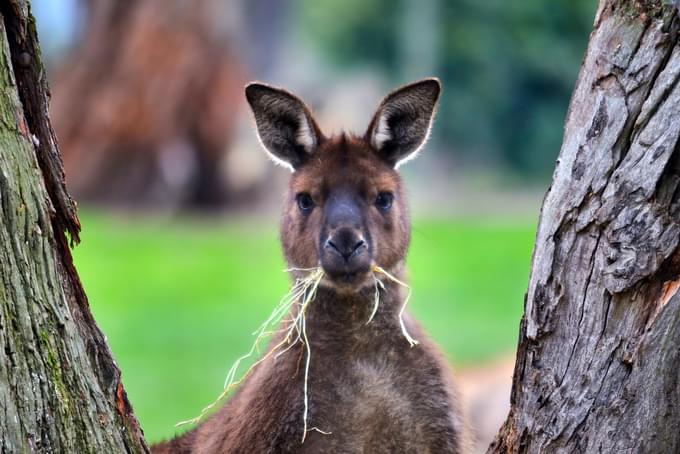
{"type": "Point", "coordinates": [60, 390]}
{"type": "Point", "coordinates": [599, 342]}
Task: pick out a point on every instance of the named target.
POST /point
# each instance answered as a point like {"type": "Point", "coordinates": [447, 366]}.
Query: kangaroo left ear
{"type": "Point", "coordinates": [285, 125]}
{"type": "Point", "coordinates": [401, 125]}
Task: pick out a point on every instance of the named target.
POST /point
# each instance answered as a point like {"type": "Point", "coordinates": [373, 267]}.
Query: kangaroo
{"type": "Point", "coordinates": [370, 390]}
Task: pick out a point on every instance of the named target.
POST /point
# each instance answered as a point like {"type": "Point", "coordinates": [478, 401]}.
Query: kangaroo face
{"type": "Point", "coordinates": [345, 208]}
{"type": "Point", "coordinates": [345, 211]}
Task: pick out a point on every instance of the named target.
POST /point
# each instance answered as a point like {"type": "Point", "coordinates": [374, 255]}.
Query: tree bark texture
{"type": "Point", "coordinates": [60, 390]}
{"type": "Point", "coordinates": [599, 345]}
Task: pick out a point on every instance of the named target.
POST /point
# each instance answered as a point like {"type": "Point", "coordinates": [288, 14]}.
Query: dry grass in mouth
{"type": "Point", "coordinates": [302, 293]}
{"type": "Point", "coordinates": [380, 270]}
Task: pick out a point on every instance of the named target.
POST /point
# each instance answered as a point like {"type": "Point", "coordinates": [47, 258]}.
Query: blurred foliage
{"type": "Point", "coordinates": [174, 336]}
{"type": "Point", "coordinates": [508, 68]}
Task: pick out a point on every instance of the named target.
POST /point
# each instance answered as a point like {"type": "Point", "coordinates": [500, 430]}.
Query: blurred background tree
{"type": "Point", "coordinates": [146, 101]}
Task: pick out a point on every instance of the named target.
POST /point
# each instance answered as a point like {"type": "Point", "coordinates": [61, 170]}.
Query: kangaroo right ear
{"type": "Point", "coordinates": [285, 125]}
{"type": "Point", "coordinates": [401, 125]}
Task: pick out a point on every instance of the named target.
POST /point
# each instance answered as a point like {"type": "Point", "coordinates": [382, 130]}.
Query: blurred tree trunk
{"type": "Point", "coordinates": [60, 390]}
{"type": "Point", "coordinates": [145, 106]}
{"type": "Point", "coordinates": [599, 346]}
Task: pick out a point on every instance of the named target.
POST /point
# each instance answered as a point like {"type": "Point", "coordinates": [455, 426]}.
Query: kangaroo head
{"type": "Point", "coordinates": [345, 208]}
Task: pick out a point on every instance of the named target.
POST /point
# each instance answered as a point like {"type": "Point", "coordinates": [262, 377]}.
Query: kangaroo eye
{"type": "Point", "coordinates": [305, 202]}
{"type": "Point", "coordinates": [384, 201]}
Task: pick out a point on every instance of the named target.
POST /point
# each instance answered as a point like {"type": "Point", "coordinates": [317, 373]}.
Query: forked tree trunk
{"type": "Point", "coordinates": [60, 389]}
{"type": "Point", "coordinates": [599, 346]}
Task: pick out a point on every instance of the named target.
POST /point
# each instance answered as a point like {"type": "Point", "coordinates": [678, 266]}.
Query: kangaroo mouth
{"type": "Point", "coordinates": [347, 278]}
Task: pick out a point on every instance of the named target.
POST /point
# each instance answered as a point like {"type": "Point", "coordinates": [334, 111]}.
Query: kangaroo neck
{"type": "Point", "coordinates": [338, 315]}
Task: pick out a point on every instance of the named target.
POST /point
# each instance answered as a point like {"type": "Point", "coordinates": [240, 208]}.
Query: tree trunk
{"type": "Point", "coordinates": [60, 390]}
{"type": "Point", "coordinates": [599, 341]}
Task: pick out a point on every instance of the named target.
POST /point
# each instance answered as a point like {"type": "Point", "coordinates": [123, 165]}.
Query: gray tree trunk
{"type": "Point", "coordinates": [599, 347]}
{"type": "Point", "coordinates": [60, 390]}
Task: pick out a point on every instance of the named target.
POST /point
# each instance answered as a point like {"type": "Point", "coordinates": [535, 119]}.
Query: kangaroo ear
{"type": "Point", "coordinates": [401, 125]}
{"type": "Point", "coordinates": [285, 125]}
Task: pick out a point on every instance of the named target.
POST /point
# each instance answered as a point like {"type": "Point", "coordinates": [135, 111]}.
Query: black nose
{"type": "Point", "coordinates": [345, 243]}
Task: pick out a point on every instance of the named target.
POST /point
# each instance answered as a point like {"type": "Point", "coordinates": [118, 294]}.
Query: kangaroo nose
{"type": "Point", "coordinates": [345, 244]}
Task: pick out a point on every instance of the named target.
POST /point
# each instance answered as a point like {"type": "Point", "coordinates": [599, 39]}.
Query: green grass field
{"type": "Point", "coordinates": [178, 299]}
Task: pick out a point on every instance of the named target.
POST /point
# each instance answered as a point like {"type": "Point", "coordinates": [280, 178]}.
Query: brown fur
{"type": "Point", "coordinates": [367, 386]}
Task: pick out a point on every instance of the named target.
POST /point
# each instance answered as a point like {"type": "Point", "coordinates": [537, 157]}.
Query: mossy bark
{"type": "Point", "coordinates": [599, 341]}
{"type": "Point", "coordinates": [60, 390]}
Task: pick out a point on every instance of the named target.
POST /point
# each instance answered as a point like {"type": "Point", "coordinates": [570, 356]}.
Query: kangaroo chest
{"type": "Point", "coordinates": [385, 400]}
{"type": "Point", "coordinates": [367, 394]}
